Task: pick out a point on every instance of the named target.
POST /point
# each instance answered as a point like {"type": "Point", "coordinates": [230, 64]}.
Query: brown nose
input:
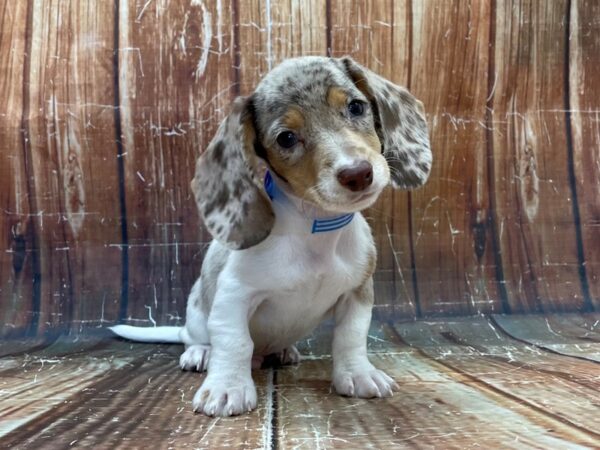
{"type": "Point", "coordinates": [356, 178]}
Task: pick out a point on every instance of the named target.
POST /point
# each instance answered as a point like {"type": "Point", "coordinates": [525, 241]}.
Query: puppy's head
{"type": "Point", "coordinates": [334, 131]}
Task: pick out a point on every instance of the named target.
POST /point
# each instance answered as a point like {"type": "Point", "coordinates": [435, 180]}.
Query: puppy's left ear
{"type": "Point", "coordinates": [400, 124]}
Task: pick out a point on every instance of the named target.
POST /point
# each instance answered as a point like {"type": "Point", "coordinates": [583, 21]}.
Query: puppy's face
{"type": "Point", "coordinates": [334, 131]}
{"type": "Point", "coordinates": [317, 131]}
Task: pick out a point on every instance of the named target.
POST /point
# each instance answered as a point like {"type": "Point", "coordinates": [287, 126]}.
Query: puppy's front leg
{"type": "Point", "coordinates": [228, 388]}
{"type": "Point", "coordinates": [353, 374]}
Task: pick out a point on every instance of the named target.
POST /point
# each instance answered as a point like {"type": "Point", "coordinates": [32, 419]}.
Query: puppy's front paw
{"type": "Point", "coordinates": [364, 383]}
{"type": "Point", "coordinates": [225, 396]}
{"type": "Point", "coordinates": [195, 357]}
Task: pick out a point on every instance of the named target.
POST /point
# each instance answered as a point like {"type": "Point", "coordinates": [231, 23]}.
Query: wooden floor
{"type": "Point", "coordinates": [486, 382]}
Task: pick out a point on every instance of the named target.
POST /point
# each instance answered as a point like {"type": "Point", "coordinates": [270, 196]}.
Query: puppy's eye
{"type": "Point", "coordinates": [356, 108]}
{"type": "Point", "coordinates": [287, 139]}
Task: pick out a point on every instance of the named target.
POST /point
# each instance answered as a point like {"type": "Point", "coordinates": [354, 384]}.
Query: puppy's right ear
{"type": "Point", "coordinates": [232, 202]}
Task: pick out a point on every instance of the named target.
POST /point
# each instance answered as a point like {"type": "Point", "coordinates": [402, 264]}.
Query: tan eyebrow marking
{"type": "Point", "coordinates": [336, 97]}
{"type": "Point", "coordinates": [293, 119]}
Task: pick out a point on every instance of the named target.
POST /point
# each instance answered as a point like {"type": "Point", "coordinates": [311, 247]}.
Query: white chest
{"type": "Point", "coordinates": [299, 281]}
{"type": "Point", "coordinates": [286, 315]}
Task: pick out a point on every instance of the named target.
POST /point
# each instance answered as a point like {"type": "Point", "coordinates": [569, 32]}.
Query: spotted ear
{"type": "Point", "coordinates": [400, 123]}
{"type": "Point", "coordinates": [230, 197]}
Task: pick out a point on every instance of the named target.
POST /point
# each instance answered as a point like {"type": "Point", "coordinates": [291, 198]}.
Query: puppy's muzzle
{"type": "Point", "coordinates": [357, 177]}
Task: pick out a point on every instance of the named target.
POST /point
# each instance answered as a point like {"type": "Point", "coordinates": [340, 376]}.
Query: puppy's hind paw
{"type": "Point", "coordinates": [289, 355]}
{"type": "Point", "coordinates": [285, 357]}
{"type": "Point", "coordinates": [366, 383]}
{"type": "Point", "coordinates": [195, 358]}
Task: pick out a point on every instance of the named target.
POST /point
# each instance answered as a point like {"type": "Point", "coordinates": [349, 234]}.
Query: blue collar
{"type": "Point", "coordinates": [318, 225]}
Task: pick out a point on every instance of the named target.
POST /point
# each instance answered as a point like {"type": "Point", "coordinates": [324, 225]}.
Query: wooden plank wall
{"type": "Point", "coordinates": [105, 105]}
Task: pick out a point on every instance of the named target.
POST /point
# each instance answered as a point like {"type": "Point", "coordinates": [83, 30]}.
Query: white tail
{"type": "Point", "coordinates": [168, 335]}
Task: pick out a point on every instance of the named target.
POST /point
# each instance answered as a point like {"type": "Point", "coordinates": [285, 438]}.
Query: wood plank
{"type": "Point", "coordinates": [32, 385]}
{"type": "Point", "coordinates": [562, 387]}
{"type": "Point", "coordinates": [584, 326]}
{"type": "Point", "coordinates": [584, 114]}
{"type": "Point", "coordinates": [175, 86]}
{"type": "Point", "coordinates": [436, 407]}
{"type": "Point", "coordinates": [146, 400]}
{"type": "Point", "coordinates": [13, 347]}
{"type": "Point", "coordinates": [318, 344]}
{"type": "Point", "coordinates": [71, 116]}
{"type": "Point", "coordinates": [145, 403]}
{"type": "Point", "coordinates": [536, 227]}
{"type": "Point", "coordinates": [452, 232]}
{"type": "Point", "coordinates": [377, 34]}
{"type": "Point", "coordinates": [21, 355]}
{"type": "Point", "coordinates": [58, 346]}
{"type": "Point", "coordinates": [270, 32]}
{"type": "Point", "coordinates": [16, 224]}
{"type": "Point", "coordinates": [550, 334]}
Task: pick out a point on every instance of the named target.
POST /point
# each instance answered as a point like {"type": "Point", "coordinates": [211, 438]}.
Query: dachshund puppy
{"type": "Point", "coordinates": [291, 247]}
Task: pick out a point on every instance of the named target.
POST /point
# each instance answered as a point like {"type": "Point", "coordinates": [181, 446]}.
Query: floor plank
{"type": "Point", "coordinates": [464, 383]}
{"type": "Point", "coordinates": [142, 399]}
{"type": "Point", "coordinates": [567, 334]}
{"type": "Point", "coordinates": [435, 408]}
{"type": "Point", "coordinates": [565, 388]}
{"type": "Point", "coordinates": [31, 385]}
{"type": "Point", "coordinates": [318, 345]}
{"type": "Point", "coordinates": [10, 347]}
{"type": "Point", "coordinates": [573, 324]}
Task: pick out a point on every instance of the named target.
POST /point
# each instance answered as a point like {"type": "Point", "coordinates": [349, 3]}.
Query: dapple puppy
{"type": "Point", "coordinates": [293, 249]}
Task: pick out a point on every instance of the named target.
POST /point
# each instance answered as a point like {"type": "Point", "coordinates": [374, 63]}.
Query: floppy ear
{"type": "Point", "coordinates": [230, 197]}
{"type": "Point", "coordinates": [400, 124]}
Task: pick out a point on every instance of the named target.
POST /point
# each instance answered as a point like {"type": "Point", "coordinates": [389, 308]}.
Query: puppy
{"type": "Point", "coordinates": [291, 248]}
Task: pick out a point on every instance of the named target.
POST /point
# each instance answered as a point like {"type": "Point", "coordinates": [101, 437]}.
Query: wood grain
{"type": "Point", "coordinates": [69, 115]}
{"type": "Point", "coordinates": [584, 326]}
{"type": "Point", "coordinates": [451, 214]}
{"type": "Point", "coordinates": [462, 384]}
{"type": "Point", "coordinates": [123, 396]}
{"type": "Point", "coordinates": [175, 88]}
{"type": "Point", "coordinates": [104, 107]}
{"type": "Point", "coordinates": [436, 407]}
{"type": "Point", "coordinates": [270, 32]}
{"type": "Point", "coordinates": [536, 227]}
{"type": "Point", "coordinates": [36, 384]}
{"type": "Point", "coordinates": [555, 334]}
{"type": "Point", "coordinates": [545, 382]}
{"type": "Point", "coordinates": [584, 120]}
{"type": "Point", "coordinates": [18, 257]}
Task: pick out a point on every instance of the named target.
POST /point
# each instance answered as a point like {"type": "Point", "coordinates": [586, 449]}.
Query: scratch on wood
{"type": "Point", "coordinates": [137, 50]}
{"type": "Point", "coordinates": [220, 25]}
{"type": "Point", "coordinates": [269, 33]}
{"type": "Point", "coordinates": [142, 11]}
{"type": "Point", "coordinates": [206, 38]}
{"type": "Point", "coordinates": [399, 267]}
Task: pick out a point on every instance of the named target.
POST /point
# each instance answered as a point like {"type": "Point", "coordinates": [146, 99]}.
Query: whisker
{"type": "Point", "coordinates": [310, 190]}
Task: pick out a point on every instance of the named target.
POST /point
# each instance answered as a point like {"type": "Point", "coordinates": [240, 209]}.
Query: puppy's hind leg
{"type": "Point", "coordinates": [195, 334]}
